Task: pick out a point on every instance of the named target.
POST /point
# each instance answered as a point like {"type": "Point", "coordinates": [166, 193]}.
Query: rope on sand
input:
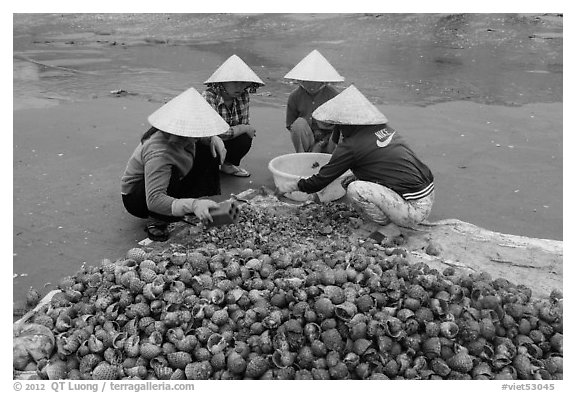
{"type": "Point", "coordinates": [24, 58]}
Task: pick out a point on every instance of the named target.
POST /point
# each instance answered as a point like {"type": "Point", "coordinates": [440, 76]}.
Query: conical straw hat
{"type": "Point", "coordinates": [314, 67]}
{"type": "Point", "coordinates": [349, 107]}
{"type": "Point", "coordinates": [188, 114]}
{"type": "Point", "coordinates": [234, 70]}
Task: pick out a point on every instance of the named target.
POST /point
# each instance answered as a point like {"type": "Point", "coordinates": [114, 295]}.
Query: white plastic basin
{"type": "Point", "coordinates": [297, 165]}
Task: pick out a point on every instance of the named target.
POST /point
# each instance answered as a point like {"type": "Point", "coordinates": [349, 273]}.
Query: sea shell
{"type": "Point", "coordinates": [235, 363]}
{"type": "Point", "coordinates": [339, 371]}
{"type": "Point", "coordinates": [218, 362]}
{"type": "Point", "coordinates": [477, 347]}
{"type": "Point", "coordinates": [63, 323]}
{"type": "Point", "coordinates": [411, 303]}
{"type": "Point", "coordinates": [556, 342]}
{"type": "Point", "coordinates": [364, 303]}
{"type": "Point", "coordinates": [404, 313]}
{"type": "Point", "coordinates": [311, 331]}
{"type": "Point", "coordinates": [112, 311]}
{"type": "Point", "coordinates": [88, 362]}
{"type": "Point", "coordinates": [44, 320]}
{"type": "Point", "coordinates": [138, 310]}
{"type": "Point", "coordinates": [179, 359]}
{"type": "Point", "coordinates": [318, 348]}
{"type": "Point", "coordinates": [423, 315]}
{"type": "Point", "coordinates": [283, 358]}
{"type": "Point", "coordinates": [461, 362]}
{"type": "Point", "coordinates": [149, 350]}
{"type": "Point", "coordinates": [469, 329]}
{"type": "Point", "coordinates": [55, 369]}
{"type": "Point", "coordinates": [361, 345]}
{"type": "Point", "coordinates": [67, 343]}
{"type": "Point", "coordinates": [273, 320]}
{"type": "Point", "coordinates": [335, 294]}
{"type": "Point", "coordinates": [482, 371]}
{"type": "Point", "coordinates": [114, 356]}
{"type": "Point", "coordinates": [216, 343]}
{"type": "Point", "coordinates": [124, 277]}
{"type": "Point", "coordinates": [554, 364]}
{"type": "Point", "coordinates": [432, 347]}
{"type": "Point", "coordinates": [523, 366]}
{"type": "Point", "coordinates": [105, 371]}
{"type": "Point", "coordinates": [135, 285]}
{"type": "Point", "coordinates": [345, 311]}
{"type": "Point", "coordinates": [357, 330]}
{"type": "Point", "coordinates": [136, 372]}
{"type": "Point", "coordinates": [391, 369]}
{"type": "Point", "coordinates": [449, 329]}
{"type": "Point", "coordinates": [66, 282]}
{"type": "Point", "coordinates": [137, 254]}
{"type": "Point", "coordinates": [148, 264]}
{"type": "Point", "coordinates": [506, 373]}
{"type": "Point", "coordinates": [332, 339]}
{"type": "Point", "coordinates": [187, 344]}
{"type": "Point", "coordinates": [439, 307]}
{"type": "Point", "coordinates": [394, 327]}
{"type": "Point", "coordinates": [256, 367]}
{"type": "Point", "coordinates": [147, 275]}
{"type": "Point", "coordinates": [132, 346]}
{"type": "Point", "coordinates": [417, 292]}
{"type": "Point", "coordinates": [32, 297]}
{"type": "Point", "coordinates": [95, 345]}
{"type": "Point", "coordinates": [500, 360]}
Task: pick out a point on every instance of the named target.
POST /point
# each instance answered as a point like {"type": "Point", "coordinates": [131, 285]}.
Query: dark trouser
{"type": "Point", "coordinates": [202, 180]}
{"type": "Point", "coordinates": [237, 148]}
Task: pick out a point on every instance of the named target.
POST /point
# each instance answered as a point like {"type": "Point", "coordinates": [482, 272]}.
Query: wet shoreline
{"type": "Point", "coordinates": [499, 59]}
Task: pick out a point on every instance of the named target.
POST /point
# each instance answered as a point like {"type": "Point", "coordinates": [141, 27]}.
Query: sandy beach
{"type": "Point", "coordinates": [493, 140]}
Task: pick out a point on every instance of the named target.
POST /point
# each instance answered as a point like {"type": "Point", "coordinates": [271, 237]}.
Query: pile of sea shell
{"type": "Point", "coordinates": [289, 296]}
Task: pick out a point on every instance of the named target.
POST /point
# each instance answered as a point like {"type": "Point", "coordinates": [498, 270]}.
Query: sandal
{"type": "Point", "coordinates": [157, 232]}
{"type": "Point", "coordinates": [234, 170]}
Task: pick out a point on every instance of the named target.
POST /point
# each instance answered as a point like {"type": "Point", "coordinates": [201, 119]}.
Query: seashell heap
{"type": "Point", "coordinates": [270, 298]}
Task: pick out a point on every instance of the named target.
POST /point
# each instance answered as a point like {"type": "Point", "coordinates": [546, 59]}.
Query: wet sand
{"type": "Point", "coordinates": [497, 163]}
{"type": "Point", "coordinates": [490, 165]}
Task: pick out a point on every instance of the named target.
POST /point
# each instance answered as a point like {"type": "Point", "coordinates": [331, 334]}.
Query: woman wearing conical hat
{"type": "Point", "coordinates": [162, 181]}
{"type": "Point", "coordinates": [390, 183]}
{"type": "Point", "coordinates": [228, 92]}
{"type": "Point", "coordinates": [314, 74]}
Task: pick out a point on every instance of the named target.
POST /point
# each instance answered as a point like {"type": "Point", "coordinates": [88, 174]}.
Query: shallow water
{"type": "Point", "coordinates": [504, 59]}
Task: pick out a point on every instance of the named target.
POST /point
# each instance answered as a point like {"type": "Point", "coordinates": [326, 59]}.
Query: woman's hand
{"type": "Point", "coordinates": [250, 131]}
{"type": "Point", "coordinates": [244, 129]}
{"type": "Point", "coordinates": [202, 209]}
{"type": "Point", "coordinates": [217, 148]}
{"type": "Point", "coordinates": [289, 186]}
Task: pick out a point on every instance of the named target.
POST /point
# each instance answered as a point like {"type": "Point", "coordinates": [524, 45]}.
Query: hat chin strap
{"type": "Point", "coordinates": [315, 91]}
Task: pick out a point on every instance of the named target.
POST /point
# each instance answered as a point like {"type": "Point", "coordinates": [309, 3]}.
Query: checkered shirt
{"type": "Point", "coordinates": [238, 113]}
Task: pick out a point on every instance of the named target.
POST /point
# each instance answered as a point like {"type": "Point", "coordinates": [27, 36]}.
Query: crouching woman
{"type": "Point", "coordinates": [390, 184]}
{"type": "Point", "coordinates": [175, 164]}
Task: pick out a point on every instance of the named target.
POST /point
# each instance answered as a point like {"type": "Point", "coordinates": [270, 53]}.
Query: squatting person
{"type": "Point", "coordinates": [390, 183]}
{"type": "Point", "coordinates": [175, 163]}
{"type": "Point", "coordinates": [228, 92]}
{"type": "Point", "coordinates": [314, 75]}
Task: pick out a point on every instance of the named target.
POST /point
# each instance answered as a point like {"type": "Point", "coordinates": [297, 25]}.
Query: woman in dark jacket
{"type": "Point", "coordinates": [390, 183]}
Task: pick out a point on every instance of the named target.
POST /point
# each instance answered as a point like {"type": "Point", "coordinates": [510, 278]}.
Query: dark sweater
{"type": "Point", "coordinates": [363, 152]}
{"type": "Point", "coordinates": [302, 104]}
